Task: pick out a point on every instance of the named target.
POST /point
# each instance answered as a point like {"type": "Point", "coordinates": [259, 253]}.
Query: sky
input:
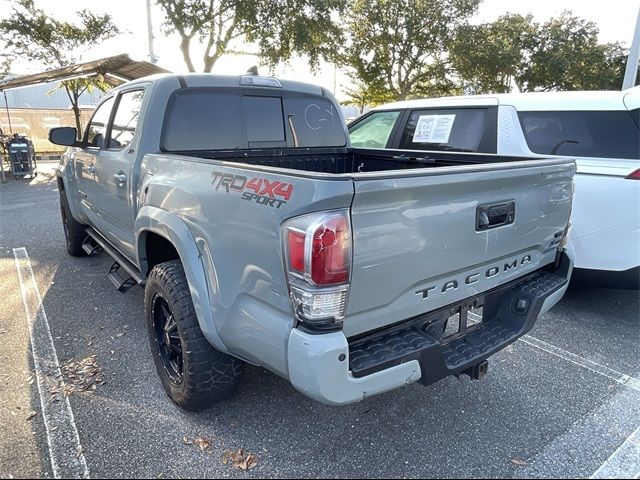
{"type": "Point", "coordinates": [616, 23]}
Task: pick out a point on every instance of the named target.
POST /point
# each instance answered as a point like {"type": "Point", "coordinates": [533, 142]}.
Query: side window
{"type": "Point", "coordinates": [608, 134]}
{"type": "Point", "coordinates": [374, 130]}
{"type": "Point", "coordinates": [97, 129]}
{"type": "Point", "coordinates": [126, 119]}
{"type": "Point", "coordinates": [456, 129]}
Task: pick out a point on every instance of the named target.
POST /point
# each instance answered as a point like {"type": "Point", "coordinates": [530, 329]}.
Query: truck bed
{"type": "Point", "coordinates": [353, 160]}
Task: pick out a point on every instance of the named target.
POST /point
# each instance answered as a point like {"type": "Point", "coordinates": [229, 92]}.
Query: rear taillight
{"type": "Point", "coordinates": [317, 250]}
{"type": "Point", "coordinates": [634, 175]}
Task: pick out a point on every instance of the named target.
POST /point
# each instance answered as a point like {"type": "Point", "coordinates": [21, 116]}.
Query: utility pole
{"type": "Point", "coordinates": [634, 58]}
{"type": "Point", "coordinates": [152, 56]}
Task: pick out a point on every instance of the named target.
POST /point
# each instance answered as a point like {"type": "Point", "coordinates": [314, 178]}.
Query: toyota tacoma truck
{"type": "Point", "coordinates": [261, 236]}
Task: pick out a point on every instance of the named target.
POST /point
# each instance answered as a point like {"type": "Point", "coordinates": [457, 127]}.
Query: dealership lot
{"type": "Point", "coordinates": [562, 402]}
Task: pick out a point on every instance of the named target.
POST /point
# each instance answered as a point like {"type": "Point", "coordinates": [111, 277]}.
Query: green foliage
{"type": "Point", "coordinates": [488, 58]}
{"type": "Point", "coordinates": [363, 95]}
{"type": "Point", "coordinates": [279, 28]}
{"type": "Point", "coordinates": [28, 32]}
{"type": "Point", "coordinates": [560, 54]}
{"type": "Point", "coordinates": [402, 43]}
{"type": "Point", "coordinates": [567, 56]}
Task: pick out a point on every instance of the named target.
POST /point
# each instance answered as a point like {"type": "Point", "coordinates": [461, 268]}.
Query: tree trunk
{"type": "Point", "coordinates": [74, 98]}
{"type": "Point", "coordinates": [186, 54]}
{"type": "Point", "coordinates": [209, 62]}
{"type": "Point", "coordinates": [76, 113]}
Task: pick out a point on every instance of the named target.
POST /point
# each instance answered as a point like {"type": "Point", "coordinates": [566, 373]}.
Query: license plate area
{"type": "Point", "coordinates": [462, 319]}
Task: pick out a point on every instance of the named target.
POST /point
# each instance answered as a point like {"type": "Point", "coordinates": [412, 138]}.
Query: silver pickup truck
{"type": "Point", "coordinates": [260, 236]}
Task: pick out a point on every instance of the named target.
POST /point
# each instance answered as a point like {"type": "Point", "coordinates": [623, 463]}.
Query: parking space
{"type": "Point", "coordinates": [562, 402]}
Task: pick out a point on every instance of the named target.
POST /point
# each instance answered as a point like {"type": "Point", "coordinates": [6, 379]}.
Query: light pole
{"type": "Point", "coordinates": [152, 56]}
{"type": "Point", "coordinates": [634, 58]}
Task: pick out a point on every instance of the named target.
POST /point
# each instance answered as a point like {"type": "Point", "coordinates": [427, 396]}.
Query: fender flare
{"type": "Point", "coordinates": [63, 172]}
{"type": "Point", "coordinates": [173, 229]}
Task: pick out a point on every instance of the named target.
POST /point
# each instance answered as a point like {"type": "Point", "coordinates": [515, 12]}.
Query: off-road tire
{"type": "Point", "coordinates": [74, 232]}
{"type": "Point", "coordinates": [207, 376]}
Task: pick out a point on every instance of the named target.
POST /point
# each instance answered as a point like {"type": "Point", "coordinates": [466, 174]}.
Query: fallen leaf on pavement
{"type": "Point", "coordinates": [240, 459]}
{"type": "Point", "coordinates": [202, 443]}
{"type": "Point", "coordinates": [515, 461]}
{"type": "Point", "coordinates": [82, 375]}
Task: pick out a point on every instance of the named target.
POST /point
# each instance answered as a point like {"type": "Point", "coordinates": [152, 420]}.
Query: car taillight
{"type": "Point", "coordinates": [634, 175]}
{"type": "Point", "coordinates": [317, 251]}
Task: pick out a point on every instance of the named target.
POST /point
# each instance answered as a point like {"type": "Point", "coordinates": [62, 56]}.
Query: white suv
{"type": "Point", "coordinates": [601, 130]}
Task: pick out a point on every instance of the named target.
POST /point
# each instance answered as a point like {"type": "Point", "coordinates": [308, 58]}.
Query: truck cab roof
{"type": "Point", "coordinates": [208, 80]}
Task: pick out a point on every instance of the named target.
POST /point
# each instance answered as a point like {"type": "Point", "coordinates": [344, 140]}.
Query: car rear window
{"type": "Point", "coordinates": [608, 134]}
{"type": "Point", "coordinates": [460, 129]}
{"type": "Point", "coordinates": [215, 119]}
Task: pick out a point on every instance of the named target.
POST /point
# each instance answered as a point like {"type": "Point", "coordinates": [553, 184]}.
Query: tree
{"type": "Point", "coordinates": [490, 57]}
{"type": "Point", "coordinates": [567, 56]}
{"type": "Point", "coordinates": [402, 44]}
{"type": "Point", "coordinates": [28, 32]}
{"type": "Point", "coordinates": [279, 28]}
{"type": "Point", "coordinates": [362, 95]}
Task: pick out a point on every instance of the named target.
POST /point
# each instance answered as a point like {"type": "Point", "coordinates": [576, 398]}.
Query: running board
{"type": "Point", "coordinates": [90, 246]}
{"type": "Point", "coordinates": [121, 283]}
{"type": "Point", "coordinates": [123, 274]}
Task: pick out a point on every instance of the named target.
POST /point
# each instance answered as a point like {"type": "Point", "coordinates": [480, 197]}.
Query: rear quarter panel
{"type": "Point", "coordinates": [239, 242]}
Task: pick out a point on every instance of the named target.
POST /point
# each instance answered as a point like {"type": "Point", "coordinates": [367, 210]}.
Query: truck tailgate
{"type": "Point", "coordinates": [425, 239]}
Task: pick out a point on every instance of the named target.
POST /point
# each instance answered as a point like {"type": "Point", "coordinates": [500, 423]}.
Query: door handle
{"type": "Point", "coordinates": [120, 178]}
{"type": "Point", "coordinates": [491, 216]}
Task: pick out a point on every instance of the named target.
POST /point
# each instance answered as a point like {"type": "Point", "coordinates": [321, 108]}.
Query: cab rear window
{"type": "Point", "coordinates": [200, 119]}
{"type": "Point", "coordinates": [604, 134]}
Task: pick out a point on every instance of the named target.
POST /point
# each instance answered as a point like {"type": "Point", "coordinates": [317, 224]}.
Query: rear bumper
{"type": "Point", "coordinates": [336, 371]}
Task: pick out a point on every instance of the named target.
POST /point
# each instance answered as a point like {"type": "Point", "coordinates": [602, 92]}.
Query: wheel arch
{"type": "Point", "coordinates": [162, 236]}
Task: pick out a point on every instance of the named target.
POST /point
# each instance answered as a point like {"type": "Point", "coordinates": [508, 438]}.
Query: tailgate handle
{"type": "Point", "coordinates": [497, 215]}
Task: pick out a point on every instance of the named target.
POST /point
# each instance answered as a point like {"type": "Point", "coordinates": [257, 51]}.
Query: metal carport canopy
{"type": "Point", "coordinates": [115, 71]}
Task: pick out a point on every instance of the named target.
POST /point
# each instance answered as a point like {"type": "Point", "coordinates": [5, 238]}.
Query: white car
{"type": "Point", "coordinates": [601, 130]}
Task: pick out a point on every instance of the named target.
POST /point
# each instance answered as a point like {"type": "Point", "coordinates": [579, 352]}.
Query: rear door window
{"type": "Point", "coordinates": [97, 129]}
{"type": "Point", "coordinates": [374, 130]}
{"type": "Point", "coordinates": [456, 129]}
{"type": "Point", "coordinates": [607, 134]}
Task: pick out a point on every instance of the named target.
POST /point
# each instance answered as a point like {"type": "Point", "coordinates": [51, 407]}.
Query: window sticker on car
{"type": "Point", "coordinates": [433, 128]}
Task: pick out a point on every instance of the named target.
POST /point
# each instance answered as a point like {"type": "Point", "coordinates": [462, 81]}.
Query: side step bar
{"type": "Point", "coordinates": [90, 246]}
{"type": "Point", "coordinates": [123, 274]}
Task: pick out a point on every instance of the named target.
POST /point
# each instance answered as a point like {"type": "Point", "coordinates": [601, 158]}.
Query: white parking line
{"type": "Point", "coordinates": [624, 461]}
{"type": "Point", "coordinates": [611, 374]}
{"type": "Point", "coordinates": [67, 459]}
{"type": "Point", "coordinates": [581, 448]}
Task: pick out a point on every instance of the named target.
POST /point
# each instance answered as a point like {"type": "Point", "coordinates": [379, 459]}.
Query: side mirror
{"type": "Point", "coordinates": [64, 136]}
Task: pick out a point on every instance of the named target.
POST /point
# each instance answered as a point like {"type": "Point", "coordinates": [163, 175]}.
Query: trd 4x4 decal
{"type": "Point", "coordinates": [262, 191]}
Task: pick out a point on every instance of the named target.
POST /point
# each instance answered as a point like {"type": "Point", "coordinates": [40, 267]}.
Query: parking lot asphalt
{"type": "Point", "coordinates": [563, 402]}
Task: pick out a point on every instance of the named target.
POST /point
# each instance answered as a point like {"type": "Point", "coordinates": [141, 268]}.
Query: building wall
{"type": "Point", "coordinates": [35, 96]}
